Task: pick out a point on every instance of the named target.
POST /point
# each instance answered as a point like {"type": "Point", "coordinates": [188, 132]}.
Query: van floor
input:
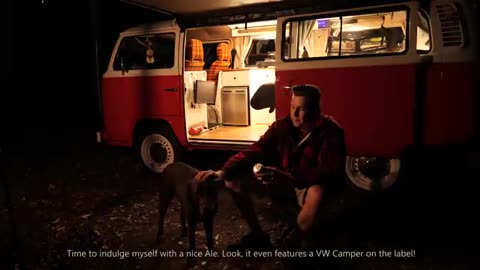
{"type": "Point", "coordinates": [232, 133]}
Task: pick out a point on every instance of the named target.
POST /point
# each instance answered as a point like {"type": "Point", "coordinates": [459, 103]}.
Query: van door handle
{"type": "Point", "coordinates": [286, 90]}
{"type": "Point", "coordinates": [171, 90]}
{"type": "Point", "coordinates": [289, 86]}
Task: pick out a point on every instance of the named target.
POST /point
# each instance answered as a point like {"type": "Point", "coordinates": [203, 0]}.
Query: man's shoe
{"type": "Point", "coordinates": [254, 242]}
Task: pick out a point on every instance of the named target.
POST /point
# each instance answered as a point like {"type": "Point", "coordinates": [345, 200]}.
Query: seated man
{"type": "Point", "coordinates": [307, 149]}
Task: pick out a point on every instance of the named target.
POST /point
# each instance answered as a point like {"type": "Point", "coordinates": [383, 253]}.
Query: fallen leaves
{"type": "Point", "coordinates": [138, 205]}
{"type": "Point", "coordinates": [85, 216]}
{"type": "Point", "coordinates": [120, 235]}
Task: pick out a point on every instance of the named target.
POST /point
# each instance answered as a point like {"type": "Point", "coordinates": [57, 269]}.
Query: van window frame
{"type": "Point", "coordinates": [422, 12]}
{"type": "Point", "coordinates": [405, 8]}
{"type": "Point", "coordinates": [175, 36]}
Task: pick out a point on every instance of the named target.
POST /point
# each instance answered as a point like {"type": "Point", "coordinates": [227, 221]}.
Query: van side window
{"type": "Point", "coordinates": [423, 33]}
{"type": "Point", "coordinates": [146, 52]}
{"type": "Point", "coordinates": [368, 33]}
{"type": "Point", "coordinates": [260, 50]}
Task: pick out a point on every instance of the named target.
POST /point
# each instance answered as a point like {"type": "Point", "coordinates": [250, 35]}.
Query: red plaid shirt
{"type": "Point", "coordinates": [319, 160]}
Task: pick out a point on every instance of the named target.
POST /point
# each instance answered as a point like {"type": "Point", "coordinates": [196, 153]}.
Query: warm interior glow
{"type": "Point", "coordinates": [253, 24]}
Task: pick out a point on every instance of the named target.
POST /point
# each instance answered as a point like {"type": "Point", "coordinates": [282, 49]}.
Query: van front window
{"type": "Point", "coordinates": [146, 52]}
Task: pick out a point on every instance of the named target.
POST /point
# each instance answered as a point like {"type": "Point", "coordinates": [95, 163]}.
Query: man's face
{"type": "Point", "coordinates": [298, 111]}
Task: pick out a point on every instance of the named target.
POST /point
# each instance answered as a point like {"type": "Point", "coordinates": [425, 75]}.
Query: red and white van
{"type": "Point", "coordinates": [393, 76]}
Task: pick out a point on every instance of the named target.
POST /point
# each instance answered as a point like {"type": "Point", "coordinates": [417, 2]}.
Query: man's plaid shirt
{"type": "Point", "coordinates": [318, 160]}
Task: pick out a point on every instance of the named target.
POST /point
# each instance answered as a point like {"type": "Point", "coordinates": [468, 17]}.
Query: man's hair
{"type": "Point", "coordinates": [311, 92]}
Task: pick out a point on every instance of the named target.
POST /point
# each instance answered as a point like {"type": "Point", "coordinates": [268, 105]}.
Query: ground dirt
{"type": "Point", "coordinates": [100, 200]}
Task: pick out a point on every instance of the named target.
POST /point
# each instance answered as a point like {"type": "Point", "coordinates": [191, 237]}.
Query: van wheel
{"type": "Point", "coordinates": [372, 173]}
{"type": "Point", "coordinates": [159, 148]}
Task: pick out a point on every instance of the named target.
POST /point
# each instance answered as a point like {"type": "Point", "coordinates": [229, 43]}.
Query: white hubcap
{"type": "Point", "coordinates": [157, 152]}
{"type": "Point", "coordinates": [387, 173]}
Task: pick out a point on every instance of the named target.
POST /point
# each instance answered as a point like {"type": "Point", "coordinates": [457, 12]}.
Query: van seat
{"type": "Point", "coordinates": [222, 62]}
{"type": "Point", "coordinates": [194, 55]}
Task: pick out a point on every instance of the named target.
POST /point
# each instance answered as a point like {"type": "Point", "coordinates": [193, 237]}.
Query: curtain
{"type": "Point", "coordinates": [304, 29]}
{"type": "Point", "coordinates": [316, 42]}
{"type": "Point", "coordinates": [241, 45]}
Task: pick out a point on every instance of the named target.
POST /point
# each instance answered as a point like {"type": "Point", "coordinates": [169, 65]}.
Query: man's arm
{"type": "Point", "coordinates": [239, 162]}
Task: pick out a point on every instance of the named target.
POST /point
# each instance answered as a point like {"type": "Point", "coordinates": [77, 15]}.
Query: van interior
{"type": "Point", "coordinates": [229, 82]}
{"type": "Point", "coordinates": [230, 69]}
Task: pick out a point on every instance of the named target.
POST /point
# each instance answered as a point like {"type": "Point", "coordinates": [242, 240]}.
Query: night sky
{"type": "Point", "coordinates": [49, 77]}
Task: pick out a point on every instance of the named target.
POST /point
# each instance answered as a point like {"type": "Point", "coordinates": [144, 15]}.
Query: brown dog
{"type": "Point", "coordinates": [197, 202]}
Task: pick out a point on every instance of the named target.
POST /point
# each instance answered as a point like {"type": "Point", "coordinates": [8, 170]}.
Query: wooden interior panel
{"type": "Point", "coordinates": [233, 133]}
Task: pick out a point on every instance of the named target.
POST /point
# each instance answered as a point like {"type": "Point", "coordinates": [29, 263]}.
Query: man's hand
{"type": "Point", "coordinates": [266, 175]}
{"type": "Point", "coordinates": [271, 174]}
{"type": "Point", "coordinates": [203, 175]}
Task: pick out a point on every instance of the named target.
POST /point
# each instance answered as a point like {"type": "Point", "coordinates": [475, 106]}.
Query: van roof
{"type": "Point", "coordinates": [194, 13]}
{"type": "Point", "coordinates": [214, 7]}
{"type": "Point", "coordinates": [188, 7]}
{"type": "Point", "coordinates": [151, 26]}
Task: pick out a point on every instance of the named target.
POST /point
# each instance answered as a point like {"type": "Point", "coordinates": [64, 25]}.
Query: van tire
{"type": "Point", "coordinates": [366, 183]}
{"type": "Point", "coordinates": [158, 147]}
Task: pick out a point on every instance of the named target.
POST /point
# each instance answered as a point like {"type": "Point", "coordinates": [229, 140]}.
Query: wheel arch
{"type": "Point", "coordinates": [142, 126]}
{"type": "Point", "coordinates": [148, 134]}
